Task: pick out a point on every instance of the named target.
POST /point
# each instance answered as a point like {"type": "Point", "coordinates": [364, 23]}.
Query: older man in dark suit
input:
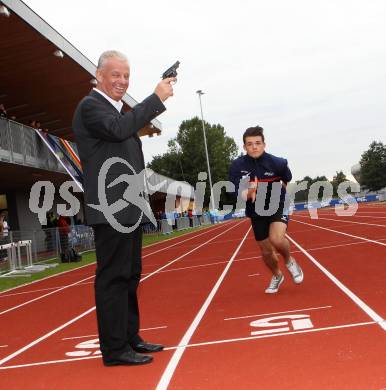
{"type": "Point", "coordinates": [103, 132]}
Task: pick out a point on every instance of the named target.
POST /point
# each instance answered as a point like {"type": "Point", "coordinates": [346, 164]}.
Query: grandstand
{"type": "Point", "coordinates": [44, 78]}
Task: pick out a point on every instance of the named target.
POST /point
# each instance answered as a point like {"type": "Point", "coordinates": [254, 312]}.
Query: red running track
{"type": "Point", "coordinates": [202, 295]}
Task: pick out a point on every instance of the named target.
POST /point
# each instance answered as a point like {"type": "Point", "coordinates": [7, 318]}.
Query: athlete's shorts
{"type": "Point", "coordinates": [260, 224]}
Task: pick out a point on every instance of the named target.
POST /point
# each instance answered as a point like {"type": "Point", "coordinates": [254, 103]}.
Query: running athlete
{"type": "Point", "coordinates": [259, 169]}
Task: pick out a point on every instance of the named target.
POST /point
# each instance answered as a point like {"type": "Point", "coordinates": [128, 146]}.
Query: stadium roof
{"type": "Point", "coordinates": [16, 177]}
{"type": "Point", "coordinates": [36, 82]}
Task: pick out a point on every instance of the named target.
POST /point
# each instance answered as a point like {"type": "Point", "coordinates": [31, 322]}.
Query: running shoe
{"type": "Point", "coordinates": [295, 271]}
{"type": "Point", "coordinates": [276, 281]}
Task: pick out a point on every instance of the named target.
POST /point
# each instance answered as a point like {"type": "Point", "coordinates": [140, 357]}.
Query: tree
{"type": "Point", "coordinates": [302, 195]}
{"type": "Point", "coordinates": [169, 163]}
{"type": "Point", "coordinates": [340, 177]}
{"type": "Point", "coordinates": [185, 156]}
{"type": "Point", "coordinates": [373, 167]}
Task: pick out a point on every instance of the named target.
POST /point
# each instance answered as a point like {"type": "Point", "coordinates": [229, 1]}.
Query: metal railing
{"type": "Point", "coordinates": [19, 144]}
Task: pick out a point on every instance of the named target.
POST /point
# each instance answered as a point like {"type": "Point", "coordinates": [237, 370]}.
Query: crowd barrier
{"type": "Point", "coordinates": [182, 223]}
{"type": "Point", "coordinates": [166, 226]}
{"type": "Point", "coordinates": [333, 202]}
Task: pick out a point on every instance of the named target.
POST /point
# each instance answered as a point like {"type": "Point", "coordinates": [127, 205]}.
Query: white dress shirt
{"type": "Point", "coordinates": [117, 105]}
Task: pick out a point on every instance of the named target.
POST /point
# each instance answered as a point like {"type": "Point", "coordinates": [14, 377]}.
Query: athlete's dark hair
{"type": "Point", "coordinates": [254, 132]}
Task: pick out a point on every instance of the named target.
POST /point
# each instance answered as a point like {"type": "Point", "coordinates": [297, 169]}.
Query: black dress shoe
{"type": "Point", "coordinates": [128, 358]}
{"type": "Point", "coordinates": [145, 347]}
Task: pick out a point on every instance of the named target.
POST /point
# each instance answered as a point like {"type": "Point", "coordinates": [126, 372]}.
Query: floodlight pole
{"type": "Point", "coordinates": [200, 93]}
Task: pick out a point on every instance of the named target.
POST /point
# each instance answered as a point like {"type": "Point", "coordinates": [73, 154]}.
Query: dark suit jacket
{"type": "Point", "coordinates": [102, 132]}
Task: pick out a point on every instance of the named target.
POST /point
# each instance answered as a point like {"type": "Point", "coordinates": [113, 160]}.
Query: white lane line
{"type": "Point", "coordinates": [367, 309]}
{"type": "Point", "coordinates": [30, 292]}
{"type": "Point", "coordinates": [71, 285]}
{"type": "Point", "coordinates": [338, 232]}
{"type": "Point", "coordinates": [3, 346]}
{"type": "Point", "coordinates": [254, 275]}
{"type": "Point", "coordinates": [47, 277]}
{"type": "Point", "coordinates": [340, 245]}
{"type": "Point", "coordinates": [200, 266]}
{"type": "Point", "coordinates": [80, 337]}
{"type": "Point", "coordinates": [57, 287]}
{"type": "Point", "coordinates": [356, 216]}
{"type": "Point", "coordinates": [39, 290]}
{"type": "Point", "coordinates": [360, 210]}
{"type": "Point", "coordinates": [33, 343]}
{"type": "Point", "coordinates": [93, 263]}
{"type": "Point", "coordinates": [277, 312]}
{"type": "Point", "coordinates": [179, 242]}
{"type": "Point", "coordinates": [183, 235]}
{"type": "Point", "coordinates": [311, 229]}
{"type": "Point", "coordinates": [143, 273]}
{"type": "Point", "coordinates": [50, 362]}
{"type": "Point", "coordinates": [273, 335]}
{"type": "Point", "coordinates": [315, 249]}
{"type": "Point", "coordinates": [23, 349]}
{"type": "Point", "coordinates": [345, 221]}
{"type": "Point", "coordinates": [172, 365]}
{"type": "Point", "coordinates": [248, 258]}
{"type": "Point", "coordinates": [259, 257]}
{"type": "Point", "coordinates": [43, 296]}
{"type": "Point", "coordinates": [276, 335]}
{"type": "Point", "coordinates": [187, 253]}
{"type": "Point", "coordinates": [95, 335]}
{"type": "Point", "coordinates": [235, 340]}
{"type": "Point", "coordinates": [193, 266]}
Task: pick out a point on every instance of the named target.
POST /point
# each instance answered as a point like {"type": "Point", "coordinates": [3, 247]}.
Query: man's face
{"type": "Point", "coordinates": [113, 78]}
{"type": "Point", "coordinates": [254, 146]}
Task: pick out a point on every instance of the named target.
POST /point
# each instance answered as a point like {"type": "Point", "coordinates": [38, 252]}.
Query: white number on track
{"type": "Point", "coordinates": [279, 324]}
{"type": "Point", "coordinates": [84, 349]}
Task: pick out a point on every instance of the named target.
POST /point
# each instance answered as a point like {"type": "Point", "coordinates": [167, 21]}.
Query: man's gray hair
{"type": "Point", "coordinates": [110, 54]}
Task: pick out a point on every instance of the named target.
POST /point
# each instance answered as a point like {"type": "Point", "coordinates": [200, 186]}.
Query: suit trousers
{"type": "Point", "coordinates": [118, 273]}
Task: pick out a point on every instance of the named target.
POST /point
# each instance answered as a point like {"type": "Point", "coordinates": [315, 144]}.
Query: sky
{"type": "Point", "coordinates": [311, 73]}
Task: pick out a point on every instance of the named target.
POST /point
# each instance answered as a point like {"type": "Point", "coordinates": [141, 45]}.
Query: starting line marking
{"type": "Point", "coordinates": [203, 344]}
{"type": "Point", "coordinates": [278, 312]}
